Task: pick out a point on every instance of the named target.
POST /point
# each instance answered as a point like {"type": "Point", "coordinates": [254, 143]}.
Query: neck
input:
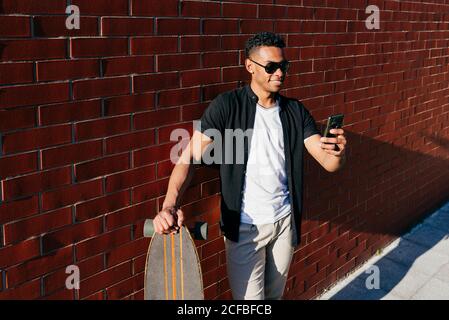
{"type": "Point", "coordinates": [266, 99]}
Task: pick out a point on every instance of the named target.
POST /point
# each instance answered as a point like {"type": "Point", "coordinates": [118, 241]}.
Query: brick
{"type": "Point", "coordinates": [55, 26]}
{"type": "Point", "coordinates": [98, 47]}
{"type": "Point", "coordinates": [153, 82]}
{"type": "Point", "coordinates": [200, 43]}
{"type": "Point", "coordinates": [19, 164]}
{"type": "Point", "coordinates": [67, 69]}
{"type": "Point", "coordinates": [127, 251]}
{"type": "Point", "coordinates": [33, 183]}
{"type": "Point", "coordinates": [71, 235]}
{"type": "Point", "coordinates": [84, 89]}
{"type": "Point", "coordinates": [233, 42]}
{"type": "Point", "coordinates": [220, 59]}
{"type": "Point", "coordinates": [38, 267]}
{"type": "Point", "coordinates": [70, 195]}
{"type": "Point", "coordinates": [68, 112]}
{"type": "Point", "coordinates": [36, 94]}
{"type": "Point", "coordinates": [33, 7]}
{"type": "Point", "coordinates": [220, 26]}
{"type": "Point", "coordinates": [102, 7]}
{"type": "Point", "coordinates": [297, 40]}
{"type": "Point", "coordinates": [152, 45]}
{"type": "Point", "coordinates": [127, 287]}
{"type": "Point", "coordinates": [126, 26]}
{"type": "Point", "coordinates": [71, 154]}
{"type": "Point", "coordinates": [156, 118]}
{"type": "Point", "coordinates": [212, 247]}
{"type": "Point", "coordinates": [287, 26]}
{"type": "Point", "coordinates": [236, 74]}
{"type": "Point", "coordinates": [102, 127]}
{"type": "Point", "coordinates": [212, 91]}
{"type": "Point", "coordinates": [191, 112]}
{"type": "Point", "coordinates": [34, 226]}
{"type": "Point", "coordinates": [63, 294]}
{"type": "Point", "coordinates": [36, 138]}
{"type": "Point", "coordinates": [105, 279]}
{"type": "Point", "coordinates": [302, 13]}
{"type": "Point", "coordinates": [96, 296]}
{"type": "Point", "coordinates": [106, 165]}
{"type": "Point", "coordinates": [130, 215]}
{"type": "Point", "coordinates": [177, 62]}
{"type": "Point", "coordinates": [130, 178]}
{"type": "Point", "coordinates": [129, 104]}
{"type": "Point", "coordinates": [15, 73]}
{"type": "Point", "coordinates": [236, 10]}
{"type": "Point", "coordinates": [129, 141]}
{"type": "Point", "coordinates": [200, 9]}
{"type": "Point", "coordinates": [16, 50]}
{"type": "Point", "coordinates": [20, 252]}
{"type": "Point", "coordinates": [127, 65]}
{"type": "Point", "coordinates": [28, 291]}
{"type": "Point", "coordinates": [14, 26]}
{"type": "Point", "coordinates": [150, 190]}
{"type": "Point", "coordinates": [10, 211]}
{"type": "Point", "coordinates": [198, 77]}
{"type": "Point", "coordinates": [272, 12]}
{"type": "Point", "coordinates": [167, 26]}
{"type": "Point", "coordinates": [178, 97]}
{"type": "Point", "coordinates": [20, 118]}
{"type": "Point", "coordinates": [102, 205]}
{"type": "Point", "coordinates": [256, 25]}
{"type": "Point", "coordinates": [103, 243]}
{"type": "Point", "coordinates": [152, 8]}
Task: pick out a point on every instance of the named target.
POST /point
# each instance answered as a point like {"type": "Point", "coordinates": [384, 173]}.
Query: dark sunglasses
{"type": "Point", "coordinates": [271, 66]}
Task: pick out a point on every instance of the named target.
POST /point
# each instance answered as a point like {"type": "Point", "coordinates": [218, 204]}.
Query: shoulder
{"type": "Point", "coordinates": [293, 104]}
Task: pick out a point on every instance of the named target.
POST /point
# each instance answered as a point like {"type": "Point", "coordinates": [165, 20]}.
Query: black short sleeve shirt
{"type": "Point", "coordinates": [236, 109]}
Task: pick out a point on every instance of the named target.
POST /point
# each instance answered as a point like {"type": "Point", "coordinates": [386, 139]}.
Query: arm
{"type": "Point", "coordinates": [180, 178]}
{"type": "Point", "coordinates": [325, 154]}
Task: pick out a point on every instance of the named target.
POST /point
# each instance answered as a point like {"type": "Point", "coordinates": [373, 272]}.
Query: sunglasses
{"type": "Point", "coordinates": [271, 66]}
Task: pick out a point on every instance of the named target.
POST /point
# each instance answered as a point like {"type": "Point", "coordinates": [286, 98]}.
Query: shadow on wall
{"type": "Point", "coordinates": [384, 189]}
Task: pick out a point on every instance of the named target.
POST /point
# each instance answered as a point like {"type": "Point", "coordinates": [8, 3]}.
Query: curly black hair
{"type": "Point", "coordinates": [263, 39]}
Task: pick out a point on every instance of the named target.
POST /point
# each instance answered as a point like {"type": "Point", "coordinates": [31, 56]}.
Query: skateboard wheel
{"type": "Point", "coordinates": [200, 231]}
{"type": "Point", "coordinates": [148, 228]}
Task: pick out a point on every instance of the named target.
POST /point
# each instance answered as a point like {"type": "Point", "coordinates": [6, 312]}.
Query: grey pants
{"type": "Point", "coordinates": [258, 263]}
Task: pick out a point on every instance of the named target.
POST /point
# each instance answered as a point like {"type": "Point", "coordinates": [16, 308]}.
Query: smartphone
{"type": "Point", "coordinates": [335, 121]}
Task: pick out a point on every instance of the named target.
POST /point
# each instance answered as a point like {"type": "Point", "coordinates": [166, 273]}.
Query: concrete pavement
{"type": "Point", "coordinates": [414, 267]}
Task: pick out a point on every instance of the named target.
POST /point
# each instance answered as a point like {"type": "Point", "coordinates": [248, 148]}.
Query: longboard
{"type": "Point", "coordinates": [173, 270]}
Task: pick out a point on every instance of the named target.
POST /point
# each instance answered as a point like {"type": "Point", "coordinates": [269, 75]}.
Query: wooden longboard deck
{"type": "Point", "coordinates": [173, 270]}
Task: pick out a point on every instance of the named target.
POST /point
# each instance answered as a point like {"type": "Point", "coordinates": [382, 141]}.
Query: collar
{"type": "Point", "coordinates": [255, 98]}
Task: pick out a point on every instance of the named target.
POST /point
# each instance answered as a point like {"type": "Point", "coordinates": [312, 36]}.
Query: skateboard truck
{"type": "Point", "coordinates": [199, 231]}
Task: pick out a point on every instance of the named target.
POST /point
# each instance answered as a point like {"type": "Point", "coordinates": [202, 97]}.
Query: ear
{"type": "Point", "coordinates": [249, 65]}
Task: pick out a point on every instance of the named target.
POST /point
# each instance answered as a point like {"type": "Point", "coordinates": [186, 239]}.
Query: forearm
{"type": "Point", "coordinates": [334, 163]}
{"type": "Point", "coordinates": [180, 179]}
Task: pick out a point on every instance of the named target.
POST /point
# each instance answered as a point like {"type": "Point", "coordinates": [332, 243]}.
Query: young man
{"type": "Point", "coordinates": [261, 196]}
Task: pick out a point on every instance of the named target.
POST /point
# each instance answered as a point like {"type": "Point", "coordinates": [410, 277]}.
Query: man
{"type": "Point", "coordinates": [261, 196]}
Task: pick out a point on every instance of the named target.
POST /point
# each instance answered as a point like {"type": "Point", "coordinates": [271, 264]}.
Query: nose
{"type": "Point", "coordinates": [279, 73]}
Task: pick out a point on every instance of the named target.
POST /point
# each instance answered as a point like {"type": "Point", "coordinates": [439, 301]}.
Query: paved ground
{"type": "Point", "coordinates": [414, 267]}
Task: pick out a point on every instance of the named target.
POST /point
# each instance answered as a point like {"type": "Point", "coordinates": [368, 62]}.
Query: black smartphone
{"type": "Point", "coordinates": [335, 121]}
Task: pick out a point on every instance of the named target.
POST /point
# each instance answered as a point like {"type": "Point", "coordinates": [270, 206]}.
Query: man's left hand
{"type": "Point", "coordinates": [339, 140]}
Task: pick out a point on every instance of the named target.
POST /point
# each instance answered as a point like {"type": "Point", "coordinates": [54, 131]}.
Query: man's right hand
{"type": "Point", "coordinates": [168, 220]}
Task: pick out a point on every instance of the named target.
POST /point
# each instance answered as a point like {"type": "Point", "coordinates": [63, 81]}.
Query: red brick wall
{"type": "Point", "coordinates": [86, 116]}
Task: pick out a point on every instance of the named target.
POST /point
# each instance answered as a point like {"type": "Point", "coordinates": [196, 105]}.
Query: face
{"type": "Point", "coordinates": [265, 81]}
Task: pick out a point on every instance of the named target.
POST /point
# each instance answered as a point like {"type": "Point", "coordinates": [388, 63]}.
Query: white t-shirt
{"type": "Point", "coordinates": [265, 190]}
